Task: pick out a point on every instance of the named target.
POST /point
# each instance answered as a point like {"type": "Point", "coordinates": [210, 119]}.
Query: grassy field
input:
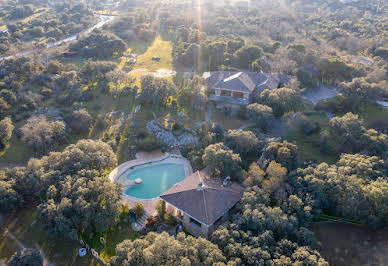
{"type": "Point", "coordinates": [228, 122]}
{"type": "Point", "coordinates": [112, 237]}
{"type": "Point", "coordinates": [308, 145]}
{"type": "Point", "coordinates": [16, 153]}
{"type": "Point", "coordinates": [374, 114]}
{"type": "Point", "coordinates": [159, 48]}
{"type": "Point", "coordinates": [144, 64]}
{"type": "Point", "coordinates": [22, 226]}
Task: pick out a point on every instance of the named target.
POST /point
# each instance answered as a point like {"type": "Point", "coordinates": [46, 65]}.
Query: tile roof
{"type": "Point", "coordinates": [204, 203]}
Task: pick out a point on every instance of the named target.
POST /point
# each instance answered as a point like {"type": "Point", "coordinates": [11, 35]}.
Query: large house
{"type": "Point", "coordinates": [200, 204]}
{"type": "Point", "coordinates": [233, 89]}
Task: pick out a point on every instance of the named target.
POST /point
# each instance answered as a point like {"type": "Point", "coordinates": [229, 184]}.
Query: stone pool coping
{"type": "Point", "coordinates": [145, 158]}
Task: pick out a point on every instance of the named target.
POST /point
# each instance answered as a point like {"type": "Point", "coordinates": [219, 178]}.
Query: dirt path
{"type": "Point", "coordinates": [14, 238]}
{"type": "Point", "coordinates": [10, 235]}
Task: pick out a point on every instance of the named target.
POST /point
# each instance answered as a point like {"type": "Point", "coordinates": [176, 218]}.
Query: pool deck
{"type": "Point", "coordinates": [142, 158]}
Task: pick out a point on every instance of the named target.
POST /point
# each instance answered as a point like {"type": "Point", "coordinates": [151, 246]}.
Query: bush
{"type": "Point", "coordinates": [194, 154]}
{"type": "Point", "coordinates": [152, 223]}
{"type": "Point", "coordinates": [169, 219]}
{"type": "Point", "coordinates": [149, 143]}
{"type": "Point", "coordinates": [46, 92]}
{"type": "Point", "coordinates": [54, 67]}
{"type": "Point", "coordinates": [177, 129]}
{"type": "Point", "coordinates": [6, 129]}
{"type": "Point", "coordinates": [142, 134]}
{"type": "Point", "coordinates": [139, 210]}
{"type": "Point", "coordinates": [160, 208]}
{"type": "Point", "coordinates": [81, 121]}
{"type": "Point", "coordinates": [26, 256]}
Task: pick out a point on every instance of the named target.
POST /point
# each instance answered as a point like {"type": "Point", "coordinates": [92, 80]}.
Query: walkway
{"type": "Point", "coordinates": [209, 114]}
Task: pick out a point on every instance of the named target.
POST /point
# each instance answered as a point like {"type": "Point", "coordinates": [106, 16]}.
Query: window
{"type": "Point", "coordinates": [226, 93]}
{"type": "Point", "coordinates": [238, 94]}
{"type": "Point", "coordinates": [195, 222]}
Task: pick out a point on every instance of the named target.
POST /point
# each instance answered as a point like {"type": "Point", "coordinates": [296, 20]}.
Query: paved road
{"type": "Point", "coordinates": [246, 126]}
{"type": "Point", "coordinates": [103, 20]}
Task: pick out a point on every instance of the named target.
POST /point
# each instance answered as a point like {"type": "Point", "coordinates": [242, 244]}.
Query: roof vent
{"type": "Point", "coordinates": [227, 181]}
{"type": "Point", "coordinates": [201, 186]}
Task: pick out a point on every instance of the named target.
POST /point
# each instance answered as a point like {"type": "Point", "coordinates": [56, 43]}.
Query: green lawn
{"type": "Point", "coordinates": [308, 145]}
{"type": "Point", "coordinates": [56, 251]}
{"type": "Point", "coordinates": [309, 149]}
{"type": "Point", "coordinates": [374, 114]}
{"type": "Point", "coordinates": [228, 122]}
{"type": "Point", "coordinates": [112, 237]}
{"type": "Point", "coordinates": [20, 224]}
{"type": "Point", "coordinates": [17, 152]}
{"type": "Point", "coordinates": [144, 64]}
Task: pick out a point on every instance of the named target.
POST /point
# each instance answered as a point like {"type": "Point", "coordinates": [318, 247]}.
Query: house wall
{"type": "Point", "coordinates": [231, 93]}
{"type": "Point", "coordinates": [203, 231]}
{"type": "Point", "coordinates": [214, 226]}
{"type": "Point", "coordinates": [183, 218]}
{"type": "Point", "coordinates": [194, 229]}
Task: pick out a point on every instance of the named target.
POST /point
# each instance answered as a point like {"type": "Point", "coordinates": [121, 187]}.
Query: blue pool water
{"type": "Point", "coordinates": [157, 178]}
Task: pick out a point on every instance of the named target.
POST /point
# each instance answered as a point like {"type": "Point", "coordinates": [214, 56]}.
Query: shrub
{"type": "Point", "coordinates": [81, 121]}
{"type": "Point", "coordinates": [152, 223]}
{"type": "Point", "coordinates": [6, 129]}
{"type": "Point", "coordinates": [26, 256]}
{"type": "Point", "coordinates": [139, 210]}
{"type": "Point", "coordinates": [161, 209]}
{"type": "Point", "coordinates": [142, 134]}
{"type": "Point", "coordinates": [169, 219]}
{"type": "Point", "coordinates": [46, 92]}
{"type": "Point", "coordinates": [194, 154]}
{"type": "Point", "coordinates": [262, 115]}
{"type": "Point", "coordinates": [149, 143]}
{"type": "Point", "coordinates": [177, 129]}
{"type": "Point", "coordinates": [54, 67]}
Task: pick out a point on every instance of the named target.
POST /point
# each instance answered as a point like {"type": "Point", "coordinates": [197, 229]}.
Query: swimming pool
{"type": "Point", "coordinates": [157, 178]}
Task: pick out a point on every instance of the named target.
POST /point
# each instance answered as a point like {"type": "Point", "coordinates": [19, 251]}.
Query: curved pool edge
{"type": "Point", "coordinates": [119, 170]}
{"type": "Point", "coordinates": [125, 166]}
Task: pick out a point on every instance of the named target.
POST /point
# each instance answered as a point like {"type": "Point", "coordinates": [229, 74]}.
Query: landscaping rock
{"type": "Point", "coordinates": [168, 138]}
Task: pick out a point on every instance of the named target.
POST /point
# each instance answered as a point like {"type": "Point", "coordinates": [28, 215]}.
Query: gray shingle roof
{"type": "Point", "coordinates": [240, 82]}
{"type": "Point", "coordinates": [245, 81]}
{"type": "Point", "coordinates": [207, 204]}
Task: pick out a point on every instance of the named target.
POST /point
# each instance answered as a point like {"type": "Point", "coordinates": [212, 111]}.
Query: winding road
{"type": "Point", "coordinates": [103, 20]}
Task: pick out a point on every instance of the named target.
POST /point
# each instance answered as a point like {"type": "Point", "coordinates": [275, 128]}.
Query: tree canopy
{"type": "Point", "coordinates": [221, 161]}
{"type": "Point", "coordinates": [162, 249]}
